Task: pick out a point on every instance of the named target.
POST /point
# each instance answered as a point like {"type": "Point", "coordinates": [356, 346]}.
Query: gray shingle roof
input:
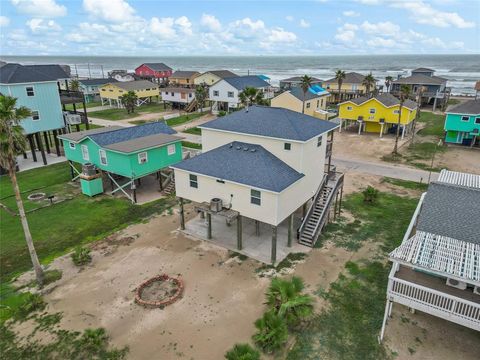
{"type": "Point", "coordinates": [243, 163]}
{"type": "Point", "coordinates": [421, 79]}
{"type": "Point", "coordinates": [158, 66]}
{"type": "Point", "coordinates": [129, 133]}
{"type": "Point", "coordinates": [452, 211]}
{"type": "Point", "coordinates": [241, 82]}
{"type": "Point", "coordinates": [97, 81]}
{"type": "Point", "coordinates": [386, 99]}
{"type": "Point", "coordinates": [350, 78]}
{"type": "Point", "coordinates": [53, 71]}
{"type": "Point", "coordinates": [422, 69]}
{"type": "Point", "coordinates": [222, 73]}
{"type": "Point", "coordinates": [17, 74]}
{"type": "Point", "coordinates": [79, 135]}
{"type": "Point", "coordinates": [295, 79]}
{"type": "Point", "coordinates": [272, 122]}
{"type": "Point", "coordinates": [136, 85]}
{"type": "Point", "coordinates": [144, 142]}
{"type": "Point", "coordinates": [184, 74]}
{"type": "Point", "coordinates": [471, 107]}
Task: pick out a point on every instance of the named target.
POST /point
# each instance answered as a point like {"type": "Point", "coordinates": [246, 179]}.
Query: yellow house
{"type": "Point", "coordinates": [352, 86]}
{"type": "Point", "coordinates": [212, 77]}
{"type": "Point", "coordinates": [144, 89]}
{"type": "Point", "coordinates": [378, 114]}
{"type": "Point", "coordinates": [183, 78]}
{"type": "Point", "coordinates": [315, 101]}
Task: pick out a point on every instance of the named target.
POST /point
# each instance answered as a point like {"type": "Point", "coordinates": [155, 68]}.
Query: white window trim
{"type": "Point", "coordinates": [171, 149]}
{"type": "Point", "coordinates": [259, 197]}
{"type": "Point", "coordinates": [100, 151]}
{"type": "Point", "coordinates": [33, 88]}
{"type": "Point", "coordinates": [141, 155]}
{"type": "Point", "coordinates": [319, 141]}
{"type": "Point", "coordinates": [38, 114]}
{"type": "Point", "coordinates": [72, 145]}
{"type": "Point", "coordinates": [349, 108]}
{"type": "Point", "coordinates": [191, 181]}
{"type": "Point", "coordinates": [477, 120]}
{"type": "Point", "coordinates": [230, 94]}
{"type": "Point", "coordinates": [465, 116]}
{"type": "Point", "coordinates": [396, 112]}
{"type": "Point", "coordinates": [374, 111]}
{"type": "Point", "coordinates": [85, 154]}
{"type": "Point", "coordinates": [216, 93]}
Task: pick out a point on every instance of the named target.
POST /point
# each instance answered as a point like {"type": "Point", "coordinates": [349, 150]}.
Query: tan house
{"type": "Point", "coordinates": [315, 101]}
{"type": "Point", "coordinates": [183, 78]}
{"type": "Point", "coordinates": [212, 77]}
{"type": "Point", "coordinates": [352, 87]}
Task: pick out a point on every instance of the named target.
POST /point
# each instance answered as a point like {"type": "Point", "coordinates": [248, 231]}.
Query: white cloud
{"type": "Point", "coordinates": [289, 18]}
{"type": "Point", "coordinates": [41, 25]}
{"type": "Point", "coordinates": [4, 21]}
{"type": "Point", "coordinates": [385, 28]}
{"type": "Point", "coordinates": [211, 23]}
{"type": "Point", "coordinates": [109, 10]}
{"type": "Point", "coordinates": [304, 23]}
{"type": "Point", "coordinates": [382, 42]}
{"type": "Point", "coordinates": [279, 35]}
{"type": "Point", "coordinates": [163, 27]}
{"type": "Point", "coordinates": [40, 8]}
{"type": "Point", "coordinates": [184, 25]}
{"type": "Point", "coordinates": [247, 28]}
{"type": "Point", "coordinates": [350, 13]}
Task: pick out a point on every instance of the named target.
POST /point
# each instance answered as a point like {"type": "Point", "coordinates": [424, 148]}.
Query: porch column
{"type": "Point", "coordinates": [340, 128]}
{"type": "Point", "coordinates": [274, 244]}
{"type": "Point", "coordinates": [72, 174]}
{"type": "Point", "coordinates": [47, 144]}
{"type": "Point", "coordinates": [32, 147]}
{"type": "Point", "coordinates": [40, 147]}
{"type": "Point", "coordinates": [182, 215]}
{"type": "Point", "coordinates": [290, 230]}
{"type": "Point", "coordinates": [403, 131]}
{"type": "Point", "coordinates": [239, 232]}
{"type": "Point", "coordinates": [209, 223]}
{"type": "Point", "coordinates": [257, 228]}
{"type": "Point", "coordinates": [381, 130]}
{"type": "Point", "coordinates": [359, 128]}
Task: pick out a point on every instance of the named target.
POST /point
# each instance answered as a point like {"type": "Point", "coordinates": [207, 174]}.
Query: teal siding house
{"type": "Point", "coordinates": [90, 88]}
{"type": "Point", "coordinates": [126, 152]}
{"type": "Point", "coordinates": [462, 124]}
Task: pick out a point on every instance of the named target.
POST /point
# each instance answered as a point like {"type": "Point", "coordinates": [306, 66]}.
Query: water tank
{"type": "Point", "coordinates": [88, 169]}
{"type": "Point", "coordinates": [216, 205]}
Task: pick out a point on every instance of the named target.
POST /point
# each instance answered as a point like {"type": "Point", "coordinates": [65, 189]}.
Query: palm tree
{"type": "Point", "coordinates": [242, 352]}
{"type": "Point", "coordinates": [339, 76]}
{"type": "Point", "coordinates": [201, 95]}
{"type": "Point", "coordinates": [369, 82]}
{"type": "Point", "coordinates": [404, 93]}
{"type": "Point", "coordinates": [74, 85]}
{"type": "Point", "coordinates": [250, 96]}
{"type": "Point", "coordinates": [129, 100]}
{"type": "Point", "coordinates": [272, 332]}
{"type": "Point", "coordinates": [305, 84]}
{"type": "Point", "coordinates": [13, 143]}
{"type": "Point", "coordinates": [285, 298]}
{"type": "Point", "coordinates": [388, 82]}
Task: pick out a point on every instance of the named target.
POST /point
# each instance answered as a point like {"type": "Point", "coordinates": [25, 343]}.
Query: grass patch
{"type": "Point", "coordinates": [453, 102]}
{"type": "Point", "coordinates": [83, 127]}
{"type": "Point", "coordinates": [407, 184]}
{"type": "Point", "coordinates": [121, 114]}
{"type": "Point", "coordinates": [87, 105]}
{"type": "Point", "coordinates": [139, 122]}
{"type": "Point", "coordinates": [433, 124]}
{"type": "Point", "coordinates": [194, 131]}
{"type": "Point", "coordinates": [182, 119]}
{"type": "Point", "coordinates": [191, 145]}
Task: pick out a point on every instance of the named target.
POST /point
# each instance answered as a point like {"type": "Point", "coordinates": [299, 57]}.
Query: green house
{"type": "Point", "coordinates": [125, 152]}
{"type": "Point", "coordinates": [462, 124]}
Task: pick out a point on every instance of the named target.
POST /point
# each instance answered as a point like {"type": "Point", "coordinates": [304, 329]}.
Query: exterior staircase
{"type": "Point", "coordinates": [191, 106]}
{"type": "Point", "coordinates": [170, 188]}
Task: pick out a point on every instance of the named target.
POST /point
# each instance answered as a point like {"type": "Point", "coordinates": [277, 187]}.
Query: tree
{"type": "Point", "coordinates": [201, 95]}
{"type": "Point", "coordinates": [250, 96]}
{"type": "Point", "coordinates": [388, 82]}
{"type": "Point", "coordinates": [420, 92]}
{"type": "Point", "coordinates": [305, 84]}
{"type": "Point", "coordinates": [74, 85]}
{"type": "Point", "coordinates": [339, 76]}
{"type": "Point", "coordinates": [369, 83]}
{"type": "Point", "coordinates": [286, 299]}
{"type": "Point", "coordinates": [370, 195]}
{"type": "Point", "coordinates": [272, 332]}
{"type": "Point", "coordinates": [404, 93]}
{"type": "Point", "coordinates": [129, 100]}
{"type": "Point", "coordinates": [13, 143]}
{"type": "Point", "coordinates": [242, 352]}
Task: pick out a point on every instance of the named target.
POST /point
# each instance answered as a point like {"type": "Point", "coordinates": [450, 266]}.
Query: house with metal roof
{"type": "Point", "coordinates": [296, 81]}
{"type": "Point", "coordinates": [436, 269]}
{"type": "Point", "coordinates": [225, 93]}
{"type": "Point", "coordinates": [124, 154]}
{"type": "Point", "coordinates": [378, 114]}
{"type": "Point", "coordinates": [462, 124]}
{"type": "Point", "coordinates": [260, 165]}
{"type": "Point", "coordinates": [313, 102]}
{"type": "Point", "coordinates": [145, 90]}
{"type": "Point", "coordinates": [91, 87]}
{"type": "Point", "coordinates": [183, 78]}
{"type": "Point", "coordinates": [211, 77]}
{"type": "Point", "coordinates": [158, 72]}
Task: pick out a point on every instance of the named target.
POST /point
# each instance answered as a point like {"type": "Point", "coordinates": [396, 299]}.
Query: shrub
{"type": "Point", "coordinates": [242, 352]}
{"type": "Point", "coordinates": [222, 113]}
{"type": "Point", "coordinates": [272, 332]}
{"type": "Point", "coordinates": [370, 195]}
{"type": "Point", "coordinates": [31, 303]}
{"type": "Point", "coordinates": [81, 256]}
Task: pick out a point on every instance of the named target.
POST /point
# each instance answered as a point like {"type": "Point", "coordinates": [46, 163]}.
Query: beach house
{"type": "Point", "coordinates": [112, 92]}
{"type": "Point", "coordinates": [462, 124]}
{"type": "Point", "coordinates": [378, 114]}
{"type": "Point", "coordinates": [179, 97]}
{"type": "Point", "coordinates": [436, 269]}
{"type": "Point", "coordinates": [211, 77]}
{"type": "Point", "coordinates": [258, 167]}
{"type": "Point", "coordinates": [183, 78]}
{"type": "Point", "coordinates": [225, 93]}
{"type": "Point", "coordinates": [124, 154]}
{"type": "Point", "coordinates": [295, 81]}
{"type": "Point", "coordinates": [158, 72]}
{"type": "Point", "coordinates": [434, 88]}
{"type": "Point", "coordinates": [91, 87]}
{"type": "Point", "coordinates": [315, 101]}
{"type": "Point", "coordinates": [352, 87]}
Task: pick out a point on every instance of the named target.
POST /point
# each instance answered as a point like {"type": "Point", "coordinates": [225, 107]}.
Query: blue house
{"type": "Point", "coordinates": [462, 124]}
{"type": "Point", "coordinates": [90, 88]}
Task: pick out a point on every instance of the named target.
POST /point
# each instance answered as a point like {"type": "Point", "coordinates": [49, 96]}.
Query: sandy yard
{"type": "Point", "coordinates": [223, 296]}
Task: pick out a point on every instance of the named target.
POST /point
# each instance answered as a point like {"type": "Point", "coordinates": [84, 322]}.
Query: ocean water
{"type": "Point", "coordinates": [462, 71]}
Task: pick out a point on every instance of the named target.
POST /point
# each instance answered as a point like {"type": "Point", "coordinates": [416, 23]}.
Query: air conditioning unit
{"type": "Point", "coordinates": [476, 290]}
{"type": "Point", "coordinates": [73, 119]}
{"type": "Point", "coordinates": [457, 284]}
{"type": "Point", "coordinates": [216, 205]}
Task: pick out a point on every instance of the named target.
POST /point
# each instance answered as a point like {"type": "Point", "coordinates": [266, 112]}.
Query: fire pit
{"type": "Point", "coordinates": [159, 291]}
{"type": "Point", "coordinates": [36, 196]}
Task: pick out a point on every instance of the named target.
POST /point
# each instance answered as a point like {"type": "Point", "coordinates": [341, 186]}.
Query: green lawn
{"type": "Point", "coordinates": [87, 105]}
{"type": "Point", "coordinates": [121, 114]}
{"type": "Point", "coordinates": [434, 124]}
{"type": "Point", "coordinates": [191, 145]}
{"type": "Point", "coordinates": [182, 119]}
{"type": "Point", "coordinates": [194, 131]}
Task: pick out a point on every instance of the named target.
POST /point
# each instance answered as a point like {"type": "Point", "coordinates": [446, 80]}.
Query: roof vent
{"type": "Point", "coordinates": [231, 145]}
{"type": "Point", "coordinates": [245, 148]}
{"type": "Point", "coordinates": [253, 150]}
{"type": "Point", "coordinates": [238, 147]}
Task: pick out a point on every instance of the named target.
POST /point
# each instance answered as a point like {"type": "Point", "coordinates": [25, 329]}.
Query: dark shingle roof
{"type": "Point", "coordinates": [386, 99]}
{"type": "Point", "coordinates": [421, 79]}
{"type": "Point", "coordinates": [183, 74]}
{"type": "Point", "coordinates": [452, 211]}
{"type": "Point", "coordinates": [53, 71]}
{"type": "Point", "coordinates": [134, 132]}
{"type": "Point", "coordinates": [241, 82]}
{"type": "Point", "coordinates": [422, 69]}
{"type": "Point", "coordinates": [295, 79]}
{"type": "Point", "coordinates": [158, 66]}
{"type": "Point", "coordinates": [97, 81]}
{"type": "Point", "coordinates": [243, 163]}
{"type": "Point", "coordinates": [136, 85]}
{"type": "Point", "coordinates": [471, 107]}
{"type": "Point", "coordinates": [350, 78]}
{"type": "Point", "coordinates": [272, 122]}
{"type": "Point", "coordinates": [309, 95]}
{"type": "Point", "coordinates": [79, 135]}
{"type": "Point", "coordinates": [222, 73]}
{"type": "Point", "coordinates": [17, 74]}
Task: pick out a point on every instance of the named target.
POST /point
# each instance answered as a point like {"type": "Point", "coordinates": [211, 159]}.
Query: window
{"type": "Point", "coordinates": [35, 116]}
{"type": "Point", "coordinates": [321, 103]}
{"type": "Point", "coordinates": [30, 91]}
{"type": "Point", "coordinates": [255, 197]}
{"type": "Point", "coordinates": [318, 103]}
{"type": "Point", "coordinates": [188, 80]}
{"type": "Point", "coordinates": [190, 95]}
{"type": "Point", "coordinates": [308, 105]}
{"type": "Point", "coordinates": [103, 156]}
{"type": "Point", "coordinates": [349, 108]}
{"type": "Point", "coordinates": [396, 112]}
{"type": "Point", "coordinates": [85, 154]}
{"type": "Point", "coordinates": [104, 89]}
{"type": "Point", "coordinates": [372, 111]}
{"type": "Point", "coordinates": [477, 120]}
{"type": "Point", "coordinates": [466, 118]}
{"type": "Point", "coordinates": [220, 181]}
{"type": "Point", "coordinates": [319, 141]}
{"type": "Point", "coordinates": [193, 181]}
{"type": "Point", "coordinates": [287, 146]}
{"type": "Point", "coordinates": [111, 90]}
{"type": "Point", "coordinates": [142, 158]}
{"type": "Point", "coordinates": [215, 93]}
{"type": "Point", "coordinates": [72, 145]}
{"type": "Point", "coordinates": [230, 94]}
{"type": "Point", "coordinates": [172, 94]}
{"type": "Point", "coordinates": [147, 89]}
{"type": "Point", "coordinates": [171, 149]}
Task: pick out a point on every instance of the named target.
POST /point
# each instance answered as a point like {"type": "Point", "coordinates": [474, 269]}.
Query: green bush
{"type": "Point", "coordinates": [31, 303]}
{"type": "Point", "coordinates": [272, 332]}
{"type": "Point", "coordinates": [370, 195]}
{"type": "Point", "coordinates": [242, 352]}
{"type": "Point", "coordinates": [222, 113]}
{"type": "Point", "coordinates": [81, 256]}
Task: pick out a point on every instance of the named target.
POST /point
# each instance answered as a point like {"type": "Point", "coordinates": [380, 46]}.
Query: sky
{"type": "Point", "coordinates": [227, 27]}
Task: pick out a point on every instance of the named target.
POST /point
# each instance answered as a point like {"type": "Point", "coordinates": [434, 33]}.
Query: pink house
{"type": "Point", "coordinates": [158, 71]}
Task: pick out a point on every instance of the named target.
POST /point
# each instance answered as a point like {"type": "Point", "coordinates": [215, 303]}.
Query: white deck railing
{"type": "Point", "coordinates": [452, 308]}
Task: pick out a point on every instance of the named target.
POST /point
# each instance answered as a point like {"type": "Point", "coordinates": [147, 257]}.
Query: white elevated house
{"type": "Point", "coordinates": [436, 269]}
{"type": "Point", "coordinates": [263, 164]}
{"type": "Point", "coordinates": [225, 93]}
{"type": "Point", "coordinates": [179, 96]}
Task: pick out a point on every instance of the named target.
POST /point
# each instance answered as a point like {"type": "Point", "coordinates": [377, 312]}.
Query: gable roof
{"type": "Point", "coordinates": [80, 135]}
{"type": "Point", "coordinates": [100, 81]}
{"type": "Point", "coordinates": [421, 79]}
{"type": "Point", "coordinates": [471, 107]}
{"type": "Point", "coordinates": [241, 82]}
{"type": "Point", "coordinates": [157, 66]}
{"type": "Point", "coordinates": [221, 73]}
{"type": "Point", "coordinates": [17, 74]}
{"type": "Point", "coordinates": [350, 78]}
{"type": "Point", "coordinates": [184, 74]}
{"type": "Point", "coordinates": [386, 99]}
{"type": "Point", "coordinates": [243, 163]}
{"type": "Point", "coordinates": [135, 85]}
{"type": "Point", "coordinates": [271, 122]}
{"type": "Point", "coordinates": [313, 92]}
{"type": "Point", "coordinates": [422, 69]}
{"type": "Point", "coordinates": [295, 79]}
{"type": "Point", "coordinates": [53, 71]}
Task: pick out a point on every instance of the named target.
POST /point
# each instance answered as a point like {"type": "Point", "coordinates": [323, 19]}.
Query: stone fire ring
{"type": "Point", "coordinates": [161, 302]}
